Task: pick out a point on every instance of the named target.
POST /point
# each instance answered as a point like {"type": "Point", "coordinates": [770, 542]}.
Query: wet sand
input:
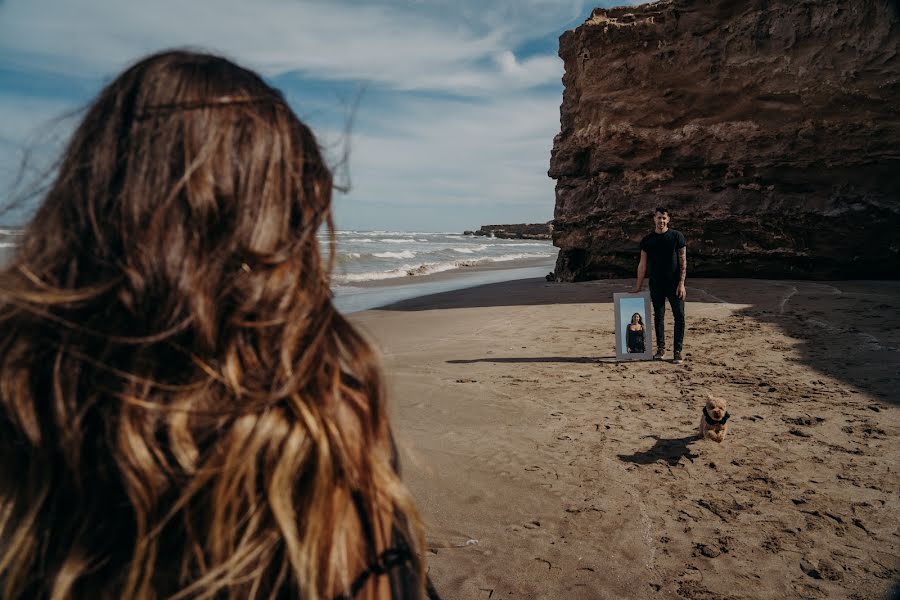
{"type": "Point", "coordinates": [545, 468]}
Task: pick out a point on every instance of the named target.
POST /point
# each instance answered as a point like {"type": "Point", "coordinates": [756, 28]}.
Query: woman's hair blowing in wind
{"type": "Point", "coordinates": [183, 413]}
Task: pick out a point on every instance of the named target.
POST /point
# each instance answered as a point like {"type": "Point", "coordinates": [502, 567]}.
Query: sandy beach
{"type": "Point", "coordinates": [544, 468]}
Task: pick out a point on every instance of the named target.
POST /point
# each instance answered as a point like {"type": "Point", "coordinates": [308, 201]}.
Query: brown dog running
{"type": "Point", "coordinates": [714, 422]}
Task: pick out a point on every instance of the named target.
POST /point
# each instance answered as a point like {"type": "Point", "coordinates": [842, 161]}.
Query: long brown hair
{"type": "Point", "coordinates": [183, 413]}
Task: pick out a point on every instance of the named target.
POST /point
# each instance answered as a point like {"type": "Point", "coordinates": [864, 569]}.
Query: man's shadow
{"type": "Point", "coordinates": [669, 450]}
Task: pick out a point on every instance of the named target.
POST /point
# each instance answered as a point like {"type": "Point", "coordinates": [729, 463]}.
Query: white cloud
{"type": "Point", "coordinates": [533, 71]}
{"type": "Point", "coordinates": [401, 48]}
{"type": "Point", "coordinates": [442, 160]}
{"type": "Point", "coordinates": [460, 156]}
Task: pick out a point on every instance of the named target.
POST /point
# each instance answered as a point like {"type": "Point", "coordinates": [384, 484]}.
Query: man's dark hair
{"type": "Point", "coordinates": [661, 209]}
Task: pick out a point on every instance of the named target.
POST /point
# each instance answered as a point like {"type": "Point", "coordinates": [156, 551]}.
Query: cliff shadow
{"type": "Point", "coordinates": [521, 292]}
{"type": "Point", "coordinates": [849, 330]}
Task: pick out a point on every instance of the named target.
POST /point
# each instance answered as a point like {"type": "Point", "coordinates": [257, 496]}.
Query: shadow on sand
{"type": "Point", "coordinates": [670, 450]}
{"type": "Point", "coordinates": [538, 359]}
{"type": "Point", "coordinates": [522, 292]}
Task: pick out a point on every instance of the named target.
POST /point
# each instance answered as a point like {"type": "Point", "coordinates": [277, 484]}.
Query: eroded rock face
{"type": "Point", "coordinates": [769, 128]}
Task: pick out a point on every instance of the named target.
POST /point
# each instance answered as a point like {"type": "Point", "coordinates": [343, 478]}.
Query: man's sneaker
{"type": "Point", "coordinates": [660, 353]}
{"type": "Point", "coordinates": [678, 358]}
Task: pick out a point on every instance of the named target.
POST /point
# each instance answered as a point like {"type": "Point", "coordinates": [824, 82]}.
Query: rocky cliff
{"type": "Point", "coordinates": [769, 128]}
{"type": "Point", "coordinates": [520, 231]}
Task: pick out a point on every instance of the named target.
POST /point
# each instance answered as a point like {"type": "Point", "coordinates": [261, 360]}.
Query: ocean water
{"type": "Point", "coordinates": [9, 239]}
{"type": "Point", "coordinates": [373, 268]}
{"type": "Point", "coordinates": [367, 256]}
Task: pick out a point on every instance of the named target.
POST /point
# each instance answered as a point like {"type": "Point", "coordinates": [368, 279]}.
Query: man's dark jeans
{"type": "Point", "coordinates": [659, 293]}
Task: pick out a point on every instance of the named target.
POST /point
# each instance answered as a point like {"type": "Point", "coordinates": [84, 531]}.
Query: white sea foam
{"type": "Point", "coordinates": [508, 257]}
{"type": "Point", "coordinates": [406, 270]}
{"type": "Point", "coordinates": [361, 240]}
{"type": "Point", "coordinates": [394, 240]}
{"type": "Point", "coordinates": [473, 249]}
{"type": "Point", "coordinates": [404, 254]}
{"type": "Point", "coordinates": [372, 276]}
{"type": "Point", "coordinates": [429, 268]}
{"type": "Point", "coordinates": [530, 244]}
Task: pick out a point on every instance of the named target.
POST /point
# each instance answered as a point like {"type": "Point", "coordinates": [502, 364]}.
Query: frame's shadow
{"type": "Point", "coordinates": [672, 450]}
{"type": "Point", "coordinates": [537, 359]}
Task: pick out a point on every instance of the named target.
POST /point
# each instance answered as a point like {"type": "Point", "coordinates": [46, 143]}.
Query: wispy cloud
{"type": "Point", "coordinates": [444, 141]}
{"type": "Point", "coordinates": [463, 98]}
{"type": "Point", "coordinates": [390, 45]}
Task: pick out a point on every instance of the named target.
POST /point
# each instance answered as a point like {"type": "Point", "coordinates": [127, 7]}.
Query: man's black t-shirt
{"type": "Point", "coordinates": [662, 255]}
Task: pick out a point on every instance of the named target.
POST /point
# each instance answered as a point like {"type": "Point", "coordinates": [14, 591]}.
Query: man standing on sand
{"type": "Point", "coordinates": [665, 252]}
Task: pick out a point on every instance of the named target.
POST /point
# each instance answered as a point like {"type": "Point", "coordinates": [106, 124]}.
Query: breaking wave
{"type": "Point", "coordinates": [429, 268]}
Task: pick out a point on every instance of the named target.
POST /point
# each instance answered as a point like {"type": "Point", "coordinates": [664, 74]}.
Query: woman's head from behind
{"type": "Point", "coordinates": [186, 412]}
{"type": "Point", "coordinates": [186, 169]}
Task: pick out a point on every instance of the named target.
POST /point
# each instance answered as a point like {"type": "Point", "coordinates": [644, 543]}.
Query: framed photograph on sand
{"type": "Point", "coordinates": [634, 329]}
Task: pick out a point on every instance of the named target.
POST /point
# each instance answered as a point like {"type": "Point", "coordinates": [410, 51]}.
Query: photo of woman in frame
{"type": "Point", "coordinates": [634, 335]}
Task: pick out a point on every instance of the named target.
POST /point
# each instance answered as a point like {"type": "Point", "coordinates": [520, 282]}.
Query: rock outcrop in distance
{"type": "Point", "coordinates": [769, 128]}
{"type": "Point", "coordinates": [522, 231]}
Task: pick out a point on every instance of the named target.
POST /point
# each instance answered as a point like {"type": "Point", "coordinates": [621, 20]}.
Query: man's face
{"type": "Point", "coordinates": [661, 220]}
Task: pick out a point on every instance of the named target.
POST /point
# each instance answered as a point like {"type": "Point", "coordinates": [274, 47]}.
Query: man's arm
{"type": "Point", "coordinates": [641, 272]}
{"type": "Point", "coordinates": [682, 264]}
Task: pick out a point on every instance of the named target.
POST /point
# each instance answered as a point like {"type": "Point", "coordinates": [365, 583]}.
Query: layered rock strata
{"type": "Point", "coordinates": [769, 128]}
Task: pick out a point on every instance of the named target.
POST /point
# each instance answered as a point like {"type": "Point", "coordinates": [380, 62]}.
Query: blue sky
{"type": "Point", "coordinates": [457, 100]}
